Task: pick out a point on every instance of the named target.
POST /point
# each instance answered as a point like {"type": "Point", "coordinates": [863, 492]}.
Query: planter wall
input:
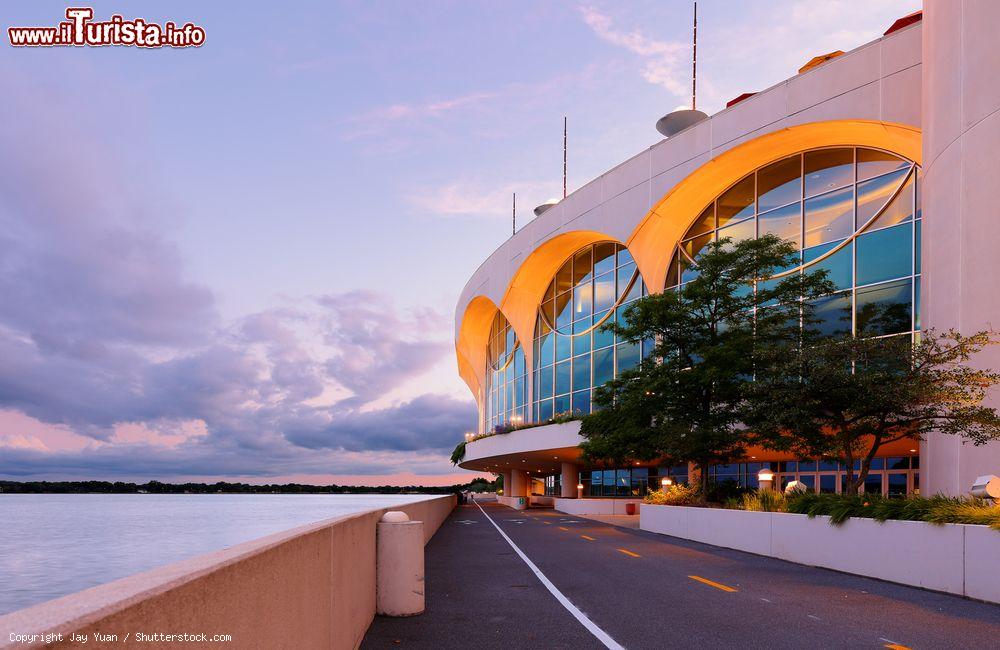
{"type": "Point", "coordinates": [955, 558]}
{"type": "Point", "coordinates": [517, 503]}
{"type": "Point", "coordinates": [593, 506]}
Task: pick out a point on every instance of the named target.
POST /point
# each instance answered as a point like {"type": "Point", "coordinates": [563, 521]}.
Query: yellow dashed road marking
{"type": "Point", "coordinates": [628, 553]}
{"type": "Point", "coordinates": [547, 523]}
{"type": "Point", "coordinates": [896, 646]}
{"type": "Point", "coordinates": [587, 537]}
{"type": "Point", "coordinates": [710, 583]}
{"type": "Point", "coordinates": [563, 528]}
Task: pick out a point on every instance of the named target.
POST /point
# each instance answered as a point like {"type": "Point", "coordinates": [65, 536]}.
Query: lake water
{"type": "Point", "coordinates": [56, 544]}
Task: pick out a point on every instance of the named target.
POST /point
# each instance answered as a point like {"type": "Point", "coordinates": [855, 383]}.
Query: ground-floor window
{"type": "Point", "coordinates": [553, 485]}
{"type": "Point", "coordinates": [894, 477]}
{"type": "Point", "coordinates": [629, 482]}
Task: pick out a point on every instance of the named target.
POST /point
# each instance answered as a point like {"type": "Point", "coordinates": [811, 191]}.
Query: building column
{"type": "Point", "coordinates": [569, 480]}
{"type": "Point", "coordinates": [518, 483]}
{"type": "Point", "coordinates": [961, 135]}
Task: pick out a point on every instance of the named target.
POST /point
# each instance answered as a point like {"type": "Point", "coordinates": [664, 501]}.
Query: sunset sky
{"type": "Point", "coordinates": [241, 261]}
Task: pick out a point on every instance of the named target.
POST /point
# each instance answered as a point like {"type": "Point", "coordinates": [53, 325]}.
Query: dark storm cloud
{"type": "Point", "coordinates": [100, 327]}
{"type": "Point", "coordinates": [144, 461]}
{"type": "Point", "coordinates": [426, 422]}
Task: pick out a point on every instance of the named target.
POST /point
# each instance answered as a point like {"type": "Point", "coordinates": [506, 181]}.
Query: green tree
{"type": "Point", "coordinates": [844, 398]}
{"type": "Point", "coordinates": [684, 403]}
{"type": "Point", "coordinates": [458, 455]}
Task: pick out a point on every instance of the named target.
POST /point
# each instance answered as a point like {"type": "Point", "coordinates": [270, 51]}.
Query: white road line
{"type": "Point", "coordinates": [598, 633]}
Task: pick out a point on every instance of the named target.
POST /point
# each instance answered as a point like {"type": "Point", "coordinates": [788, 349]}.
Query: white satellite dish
{"type": "Point", "coordinates": [676, 121]}
{"type": "Point", "coordinates": [545, 206]}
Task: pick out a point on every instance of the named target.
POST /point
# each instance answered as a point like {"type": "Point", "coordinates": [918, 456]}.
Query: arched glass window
{"type": "Point", "coordinates": [506, 376]}
{"type": "Point", "coordinates": [852, 211]}
{"type": "Point", "coordinates": [571, 353]}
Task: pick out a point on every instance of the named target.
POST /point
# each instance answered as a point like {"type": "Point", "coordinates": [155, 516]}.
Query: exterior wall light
{"type": "Point", "coordinates": [468, 437]}
{"type": "Point", "coordinates": [666, 482]}
{"type": "Point", "coordinates": [795, 487]}
{"type": "Point", "coordinates": [766, 479]}
{"type": "Point", "coordinates": [987, 487]}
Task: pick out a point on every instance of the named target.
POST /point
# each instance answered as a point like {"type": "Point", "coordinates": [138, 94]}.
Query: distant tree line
{"type": "Point", "coordinates": [222, 487]}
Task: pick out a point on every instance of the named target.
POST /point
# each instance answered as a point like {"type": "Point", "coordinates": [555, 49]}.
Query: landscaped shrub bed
{"type": "Point", "coordinates": [673, 495]}
{"type": "Point", "coordinates": [841, 507]}
{"type": "Point", "coordinates": [936, 509]}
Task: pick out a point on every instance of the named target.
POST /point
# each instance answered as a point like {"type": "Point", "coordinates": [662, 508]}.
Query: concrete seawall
{"type": "Point", "coordinates": [309, 587]}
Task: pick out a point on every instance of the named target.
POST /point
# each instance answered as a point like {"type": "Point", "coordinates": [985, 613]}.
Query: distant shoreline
{"type": "Point", "coordinates": [156, 487]}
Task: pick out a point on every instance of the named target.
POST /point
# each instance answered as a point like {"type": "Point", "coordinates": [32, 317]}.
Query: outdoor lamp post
{"type": "Point", "coordinates": [765, 478]}
{"type": "Point", "coordinates": [579, 490]}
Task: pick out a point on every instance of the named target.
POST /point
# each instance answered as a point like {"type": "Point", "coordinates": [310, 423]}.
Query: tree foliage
{"type": "Point", "coordinates": [847, 397]}
{"type": "Point", "coordinates": [684, 403]}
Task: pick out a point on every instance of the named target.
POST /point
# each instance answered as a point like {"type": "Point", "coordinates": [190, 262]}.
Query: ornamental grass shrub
{"type": "Point", "coordinates": [937, 509]}
{"type": "Point", "coordinates": [672, 495]}
{"type": "Point", "coordinates": [763, 501]}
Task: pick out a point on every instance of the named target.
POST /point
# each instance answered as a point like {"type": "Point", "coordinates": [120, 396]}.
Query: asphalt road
{"type": "Point", "coordinates": [651, 591]}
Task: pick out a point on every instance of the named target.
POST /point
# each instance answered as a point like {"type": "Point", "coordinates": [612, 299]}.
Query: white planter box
{"type": "Point", "coordinates": [955, 558]}
{"type": "Point", "coordinates": [594, 506]}
{"type": "Point", "coordinates": [909, 552]}
{"type": "Point", "coordinates": [982, 563]}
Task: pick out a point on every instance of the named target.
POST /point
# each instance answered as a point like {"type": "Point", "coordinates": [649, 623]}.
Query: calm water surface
{"type": "Point", "coordinates": [55, 544]}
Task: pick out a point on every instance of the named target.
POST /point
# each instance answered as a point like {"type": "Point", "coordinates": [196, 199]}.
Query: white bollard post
{"type": "Point", "coordinates": [399, 568]}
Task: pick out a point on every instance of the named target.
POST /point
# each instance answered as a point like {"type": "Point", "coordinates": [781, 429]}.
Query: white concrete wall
{"type": "Point", "coordinates": [550, 436]}
{"type": "Point", "coordinates": [590, 506]}
{"type": "Point", "coordinates": [518, 503]}
{"type": "Point", "coordinates": [954, 558]}
{"type": "Point", "coordinates": [961, 232]}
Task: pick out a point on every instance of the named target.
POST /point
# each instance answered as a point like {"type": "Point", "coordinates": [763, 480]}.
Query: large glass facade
{"type": "Point", "coordinates": [852, 211]}
{"type": "Point", "coordinates": [506, 377]}
{"type": "Point", "coordinates": [572, 354]}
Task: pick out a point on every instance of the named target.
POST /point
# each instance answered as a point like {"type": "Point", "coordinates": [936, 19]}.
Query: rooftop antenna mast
{"type": "Point", "coordinates": [694, 61]}
{"type": "Point", "coordinates": [514, 215]}
{"type": "Point", "coordinates": [683, 118]}
{"type": "Point", "coordinates": [564, 156]}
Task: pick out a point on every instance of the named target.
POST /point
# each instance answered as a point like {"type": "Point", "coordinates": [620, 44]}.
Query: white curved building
{"type": "Point", "coordinates": [846, 158]}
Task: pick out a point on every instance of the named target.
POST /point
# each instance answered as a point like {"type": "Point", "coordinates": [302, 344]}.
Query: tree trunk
{"type": "Point", "coordinates": [703, 480]}
{"type": "Point", "coordinates": [866, 466]}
